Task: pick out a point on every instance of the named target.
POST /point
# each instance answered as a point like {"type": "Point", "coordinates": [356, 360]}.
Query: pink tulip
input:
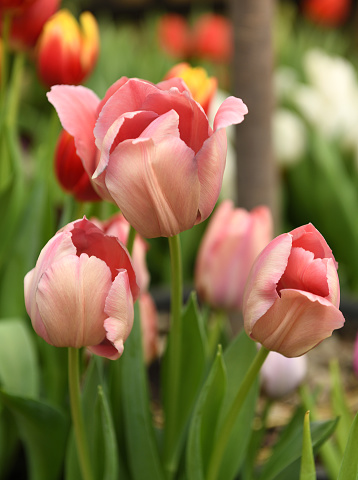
{"type": "Point", "coordinates": [119, 227]}
{"type": "Point", "coordinates": [280, 375]}
{"type": "Point", "coordinates": [81, 291]}
{"type": "Point", "coordinates": [291, 299]}
{"type": "Point", "coordinates": [149, 325]}
{"type": "Point", "coordinates": [229, 247]}
{"type": "Point", "coordinates": [158, 159]}
{"type": "Point", "coordinates": [355, 359]}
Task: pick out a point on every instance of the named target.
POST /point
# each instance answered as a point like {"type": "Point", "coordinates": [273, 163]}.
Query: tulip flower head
{"type": "Point", "coordinates": [150, 149]}
{"type": "Point", "coordinates": [281, 376]}
{"type": "Point", "coordinates": [229, 247]}
{"type": "Point", "coordinates": [212, 38]}
{"type": "Point", "coordinates": [201, 86]}
{"type": "Point", "coordinates": [174, 35]}
{"type": "Point", "coordinates": [291, 299]}
{"type": "Point", "coordinates": [331, 13]}
{"type": "Point", "coordinates": [149, 326]}
{"type": "Point", "coordinates": [14, 5]}
{"type": "Point", "coordinates": [81, 291]}
{"type": "Point", "coordinates": [70, 172]}
{"type": "Point", "coordinates": [67, 51]}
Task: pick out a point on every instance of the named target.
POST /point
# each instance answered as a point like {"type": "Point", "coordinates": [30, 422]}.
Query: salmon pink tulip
{"type": "Point", "coordinates": [158, 159]}
{"type": "Point", "coordinates": [81, 291]}
{"type": "Point", "coordinates": [291, 299]}
{"type": "Point", "coordinates": [149, 326]}
{"type": "Point", "coordinates": [70, 172]}
{"type": "Point", "coordinates": [229, 247]}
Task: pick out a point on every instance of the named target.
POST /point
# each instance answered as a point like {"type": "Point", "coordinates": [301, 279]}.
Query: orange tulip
{"type": "Point", "coordinates": [201, 86]}
{"type": "Point", "coordinates": [67, 51]}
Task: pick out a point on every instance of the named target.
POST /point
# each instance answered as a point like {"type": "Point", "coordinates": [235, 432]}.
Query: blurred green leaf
{"type": "Point", "coordinates": [43, 430]}
{"type": "Point", "coordinates": [19, 369]}
{"type": "Point", "coordinates": [204, 420]}
{"type": "Point", "coordinates": [349, 466]}
{"type": "Point", "coordinates": [308, 468]}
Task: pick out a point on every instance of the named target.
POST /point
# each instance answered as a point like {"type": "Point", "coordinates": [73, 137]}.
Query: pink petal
{"type": "Point", "coordinates": [71, 299]}
{"type": "Point", "coordinates": [211, 160]}
{"type": "Point", "coordinates": [309, 238]}
{"type": "Point", "coordinates": [231, 112]}
{"type": "Point", "coordinates": [119, 308]}
{"type": "Point", "coordinates": [155, 184]}
{"type": "Point", "coordinates": [175, 82]}
{"type": "Point", "coordinates": [297, 322]}
{"type": "Point", "coordinates": [77, 108]}
{"type": "Point", "coordinates": [112, 89]}
{"type": "Point", "coordinates": [260, 291]}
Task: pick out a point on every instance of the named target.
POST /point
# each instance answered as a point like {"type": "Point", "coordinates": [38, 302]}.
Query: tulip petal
{"type": "Point", "coordinates": [309, 238]}
{"type": "Point", "coordinates": [230, 112]}
{"type": "Point", "coordinates": [175, 82]}
{"type": "Point", "coordinates": [71, 299]}
{"type": "Point", "coordinates": [112, 89]}
{"type": "Point", "coordinates": [119, 308]}
{"type": "Point", "coordinates": [76, 107]}
{"type": "Point", "coordinates": [159, 178]}
{"type": "Point", "coordinates": [297, 322]}
{"type": "Point", "coordinates": [211, 160]}
{"type": "Point", "coordinates": [261, 287]}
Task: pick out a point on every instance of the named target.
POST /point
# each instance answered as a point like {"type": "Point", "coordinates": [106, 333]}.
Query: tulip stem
{"type": "Point", "coordinates": [174, 354]}
{"type": "Point", "coordinates": [77, 414]}
{"type": "Point", "coordinates": [223, 435]}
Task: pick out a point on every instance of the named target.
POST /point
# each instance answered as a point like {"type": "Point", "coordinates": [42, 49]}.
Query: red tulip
{"type": "Point", "coordinates": [213, 38]}
{"type": "Point", "coordinates": [13, 6]}
{"type": "Point", "coordinates": [70, 172]}
{"type": "Point", "coordinates": [229, 247]}
{"type": "Point", "coordinates": [291, 299]}
{"type": "Point", "coordinates": [202, 87]}
{"type": "Point", "coordinates": [152, 151]}
{"type": "Point", "coordinates": [67, 52]}
{"type": "Point", "coordinates": [81, 291]}
{"type": "Point", "coordinates": [174, 35]}
{"type": "Point", "coordinates": [327, 12]}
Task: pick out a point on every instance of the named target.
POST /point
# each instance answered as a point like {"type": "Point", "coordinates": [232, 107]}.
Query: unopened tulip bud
{"type": "Point", "coordinates": [201, 86]}
{"type": "Point", "coordinates": [174, 35]}
{"type": "Point", "coordinates": [280, 375]}
{"type": "Point", "coordinates": [213, 38]}
{"type": "Point", "coordinates": [81, 291]}
{"type": "Point", "coordinates": [229, 247]}
{"type": "Point", "coordinates": [67, 51]}
{"type": "Point", "coordinates": [70, 171]}
{"type": "Point", "coordinates": [291, 299]}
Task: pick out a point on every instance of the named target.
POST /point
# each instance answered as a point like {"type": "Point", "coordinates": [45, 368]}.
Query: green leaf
{"type": "Point", "coordinates": [288, 448]}
{"type": "Point", "coordinates": [204, 420]}
{"type": "Point", "coordinates": [19, 370]}
{"type": "Point", "coordinates": [192, 370]}
{"type": "Point", "coordinates": [349, 466]}
{"type": "Point", "coordinates": [238, 358]}
{"type": "Point", "coordinates": [43, 430]}
{"type": "Point", "coordinates": [308, 469]}
{"type": "Point", "coordinates": [143, 454]}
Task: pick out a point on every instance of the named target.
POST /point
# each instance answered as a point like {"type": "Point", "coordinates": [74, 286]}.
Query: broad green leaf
{"type": "Point", "coordinates": [19, 370]}
{"type": "Point", "coordinates": [204, 420]}
{"type": "Point", "coordinates": [193, 367]}
{"type": "Point", "coordinates": [308, 468]}
{"type": "Point", "coordinates": [43, 430]}
{"type": "Point", "coordinates": [143, 454]}
{"type": "Point", "coordinates": [238, 357]}
{"type": "Point", "coordinates": [288, 448]}
{"type": "Point", "coordinates": [349, 466]}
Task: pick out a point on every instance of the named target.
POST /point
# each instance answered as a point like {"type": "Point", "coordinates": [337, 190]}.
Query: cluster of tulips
{"type": "Point", "coordinates": [150, 150]}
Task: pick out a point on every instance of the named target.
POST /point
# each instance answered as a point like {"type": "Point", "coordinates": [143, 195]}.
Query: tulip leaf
{"type": "Point", "coordinates": [308, 469]}
{"type": "Point", "coordinates": [288, 448]}
{"type": "Point", "coordinates": [238, 357]}
{"type": "Point", "coordinates": [43, 430]}
{"type": "Point", "coordinates": [143, 454]}
{"type": "Point", "coordinates": [204, 420]}
{"type": "Point", "coordinates": [349, 466]}
{"type": "Point", "coordinates": [192, 369]}
{"type": "Point", "coordinates": [19, 370]}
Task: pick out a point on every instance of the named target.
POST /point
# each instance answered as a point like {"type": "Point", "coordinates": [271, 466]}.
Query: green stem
{"type": "Point", "coordinates": [130, 240]}
{"type": "Point", "coordinates": [223, 436]}
{"type": "Point", "coordinates": [14, 94]}
{"type": "Point", "coordinates": [77, 415]}
{"type": "Point", "coordinates": [174, 354]}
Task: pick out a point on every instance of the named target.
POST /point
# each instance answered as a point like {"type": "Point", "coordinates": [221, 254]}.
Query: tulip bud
{"type": "Point", "coordinates": [81, 291]}
{"type": "Point", "coordinates": [291, 299]}
{"type": "Point", "coordinates": [70, 171]}
{"type": "Point", "coordinates": [201, 86]}
{"type": "Point", "coordinates": [213, 38]}
{"type": "Point", "coordinates": [28, 20]}
{"type": "Point", "coordinates": [67, 52]}
{"type": "Point", "coordinates": [327, 12]}
{"type": "Point", "coordinates": [174, 35]}
{"type": "Point", "coordinates": [14, 5]}
{"type": "Point", "coordinates": [149, 325]}
{"type": "Point", "coordinates": [355, 359]}
{"type": "Point", "coordinates": [229, 247]}
{"type": "Point", "coordinates": [280, 375]}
